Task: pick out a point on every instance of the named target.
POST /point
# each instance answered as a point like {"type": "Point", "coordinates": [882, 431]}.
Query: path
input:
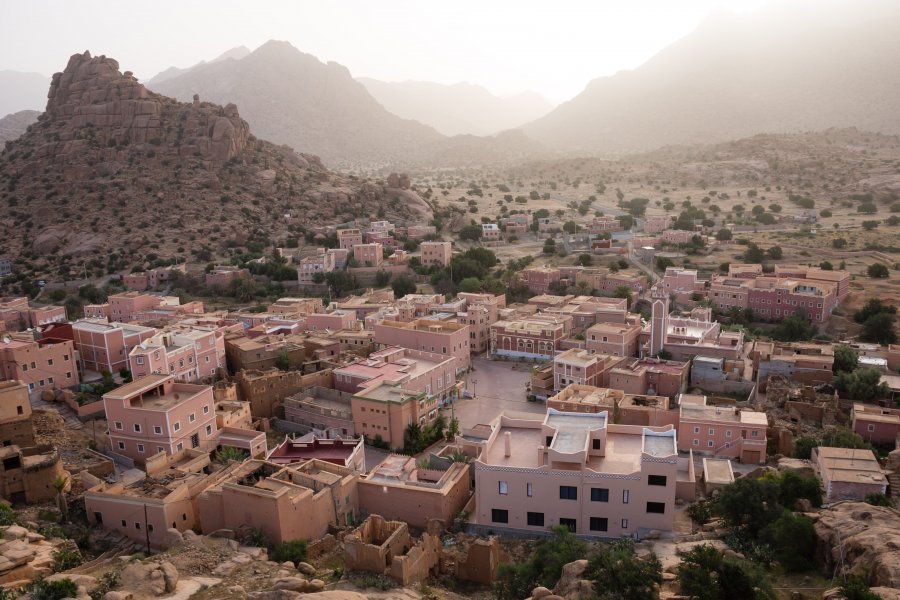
{"type": "Point", "coordinates": [72, 421]}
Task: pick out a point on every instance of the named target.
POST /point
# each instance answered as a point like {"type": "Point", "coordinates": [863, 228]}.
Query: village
{"type": "Point", "coordinates": [606, 401]}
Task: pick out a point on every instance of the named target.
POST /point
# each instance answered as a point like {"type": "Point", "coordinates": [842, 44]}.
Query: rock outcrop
{"type": "Point", "coordinates": [14, 125]}
{"type": "Point", "coordinates": [860, 538]}
{"type": "Point", "coordinates": [112, 168]}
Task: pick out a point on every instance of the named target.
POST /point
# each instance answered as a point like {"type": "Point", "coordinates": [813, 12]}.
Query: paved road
{"type": "Point", "coordinates": [498, 386]}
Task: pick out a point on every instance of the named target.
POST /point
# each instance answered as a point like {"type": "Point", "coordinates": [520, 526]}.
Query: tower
{"type": "Point", "coordinates": [659, 321]}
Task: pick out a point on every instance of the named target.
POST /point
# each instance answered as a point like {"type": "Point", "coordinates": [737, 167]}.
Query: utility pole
{"type": "Point", "coordinates": [147, 529]}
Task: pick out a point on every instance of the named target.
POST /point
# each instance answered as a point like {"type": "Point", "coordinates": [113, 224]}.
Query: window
{"type": "Point", "coordinates": [529, 490]}
{"type": "Point", "coordinates": [754, 434]}
{"type": "Point", "coordinates": [139, 360]}
{"type": "Point", "coordinates": [124, 523]}
{"type": "Point", "coordinates": [140, 448]}
{"type": "Point", "coordinates": [157, 430]}
{"type": "Point", "coordinates": [177, 426]}
{"type": "Point", "coordinates": [870, 427]}
{"type": "Point", "coordinates": [121, 445]}
{"type": "Point", "coordinates": [50, 380]}
{"type": "Point", "coordinates": [570, 523]}
{"type": "Point", "coordinates": [712, 431]}
{"type": "Point", "coordinates": [137, 525]}
{"type": "Point", "coordinates": [696, 430]}
{"type": "Point", "coordinates": [68, 374]}
{"type": "Point", "coordinates": [599, 524]}
{"type": "Point", "coordinates": [195, 440]}
{"type": "Point", "coordinates": [709, 444]}
{"type": "Point", "coordinates": [656, 480]}
{"type": "Point", "coordinates": [499, 516]}
{"type": "Point", "coordinates": [625, 496]}
{"type": "Point", "coordinates": [137, 427]}
{"type": "Point", "coordinates": [49, 362]}
{"type": "Point", "coordinates": [179, 447]}
{"type": "Point", "coordinates": [728, 433]}
{"type": "Point", "coordinates": [209, 430]}
{"type": "Point", "coordinates": [568, 492]}
{"type": "Point", "coordinates": [599, 495]}
{"type": "Point", "coordinates": [20, 411]}
{"type": "Point", "coordinates": [192, 417]}
{"type": "Point", "coordinates": [657, 508]}
{"type": "Point", "coordinates": [624, 523]}
{"type": "Point", "coordinates": [536, 519]}
{"type": "Point", "coordinates": [504, 488]}
{"type": "Point", "coordinates": [595, 444]}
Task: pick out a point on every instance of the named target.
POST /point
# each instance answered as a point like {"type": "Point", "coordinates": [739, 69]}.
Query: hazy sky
{"type": "Point", "coordinates": [554, 48]}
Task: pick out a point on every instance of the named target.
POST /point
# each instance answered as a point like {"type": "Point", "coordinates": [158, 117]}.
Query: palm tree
{"type": "Point", "coordinates": [60, 484]}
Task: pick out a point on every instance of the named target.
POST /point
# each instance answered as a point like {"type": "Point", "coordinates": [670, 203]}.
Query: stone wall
{"type": "Point", "coordinates": [481, 563]}
{"type": "Point", "coordinates": [373, 545]}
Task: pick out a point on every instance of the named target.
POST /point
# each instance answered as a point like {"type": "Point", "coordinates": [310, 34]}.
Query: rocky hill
{"type": "Point", "coordinates": [112, 172]}
{"type": "Point", "coordinates": [236, 53]}
{"type": "Point", "coordinates": [458, 109]}
{"type": "Point", "coordinates": [14, 125]}
{"type": "Point", "coordinates": [293, 98]}
{"type": "Point", "coordinates": [786, 68]}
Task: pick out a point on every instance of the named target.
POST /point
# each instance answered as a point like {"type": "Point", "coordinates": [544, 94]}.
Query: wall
{"type": "Point", "coordinates": [414, 504]}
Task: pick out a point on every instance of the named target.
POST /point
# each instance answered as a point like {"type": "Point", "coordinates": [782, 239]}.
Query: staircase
{"type": "Point", "coordinates": [71, 419]}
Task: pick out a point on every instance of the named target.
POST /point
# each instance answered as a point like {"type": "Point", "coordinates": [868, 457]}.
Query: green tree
{"type": "Point", "coordinates": [623, 291]}
{"type": "Point", "coordinates": [723, 235]}
{"type": "Point", "coordinates": [774, 253]}
{"type": "Point", "coordinates": [872, 307]}
{"type": "Point", "coordinates": [293, 550]}
{"type": "Point", "coordinates": [878, 499]}
{"type": "Point", "coordinates": [470, 285]}
{"type": "Point", "coordinates": [753, 253]}
{"type": "Point", "coordinates": [618, 574]}
{"type": "Point", "coordinates": [826, 266]}
{"type": "Point", "coordinates": [243, 289]}
{"type": "Point", "coordinates": [570, 227]}
{"type": "Point", "coordinates": [382, 278]}
{"type": "Point", "coordinates": [283, 361]}
{"type": "Point", "coordinates": [549, 246]}
{"type": "Point", "coordinates": [705, 574]}
{"type": "Point", "coordinates": [839, 243]}
{"type": "Point", "coordinates": [845, 359]}
{"type": "Point", "coordinates": [869, 225]}
{"type": "Point", "coordinates": [856, 588]}
{"type": "Point", "coordinates": [793, 329]}
{"type": "Point", "coordinates": [878, 271]}
{"type": "Point", "coordinates": [663, 263]}
{"type": "Point", "coordinates": [584, 260]}
{"type": "Point", "coordinates": [879, 328]}
{"type": "Point", "coordinates": [862, 384]}
{"type": "Point", "coordinates": [341, 282]}
{"type": "Point", "coordinates": [403, 285]}
{"type": "Point", "coordinates": [542, 568]}
{"type": "Point", "coordinates": [750, 503]}
{"type": "Point", "coordinates": [792, 487]}
{"type": "Point", "coordinates": [470, 232]}
{"type": "Point", "coordinates": [626, 221]}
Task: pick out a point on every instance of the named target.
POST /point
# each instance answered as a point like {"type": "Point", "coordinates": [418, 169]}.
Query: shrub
{"type": "Point", "coordinates": [794, 539]}
{"type": "Point", "coordinates": [41, 589]}
{"type": "Point", "coordinates": [7, 515]}
{"type": "Point", "coordinates": [294, 551]}
{"type": "Point", "coordinates": [878, 271]}
{"type": "Point", "coordinates": [877, 499]}
{"type": "Point", "coordinates": [617, 572]}
{"type": "Point", "coordinates": [543, 568]}
{"type": "Point", "coordinates": [66, 557]}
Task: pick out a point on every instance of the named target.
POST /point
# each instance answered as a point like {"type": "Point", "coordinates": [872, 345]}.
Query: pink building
{"type": "Point", "coordinates": [481, 311]}
{"type": "Point", "coordinates": [722, 431]}
{"type": "Point", "coordinates": [16, 314]}
{"type": "Point", "coordinates": [223, 276]}
{"type": "Point", "coordinates": [678, 236]}
{"type": "Point", "coordinates": [191, 355]}
{"type": "Point", "coordinates": [324, 261]}
{"type": "Point", "coordinates": [97, 311]}
{"type": "Point", "coordinates": [436, 253]}
{"type": "Point", "coordinates": [538, 279]}
{"type": "Point", "coordinates": [682, 282]}
{"type": "Point", "coordinates": [427, 335]}
{"type": "Point", "coordinates": [433, 374]}
{"type": "Point", "coordinates": [581, 367]}
{"type": "Point", "coordinates": [105, 346]}
{"type": "Point", "coordinates": [579, 471]}
{"type": "Point", "coordinates": [876, 425]}
{"type": "Point", "coordinates": [775, 299]}
{"type": "Point", "coordinates": [617, 339]}
{"type": "Point", "coordinates": [534, 337]}
{"type": "Point", "coordinates": [345, 452]}
{"type": "Point", "coordinates": [347, 238]}
{"type": "Point", "coordinates": [368, 255]}
{"type": "Point", "coordinates": [155, 414]}
{"type": "Point", "coordinates": [125, 306]}
{"type": "Point", "coordinates": [490, 232]}
{"type": "Point", "coordinates": [605, 224]}
{"type": "Point", "coordinates": [650, 376]}
{"type": "Point", "coordinates": [656, 224]}
{"type": "Point", "coordinates": [336, 320]}
{"type": "Point", "coordinates": [39, 364]}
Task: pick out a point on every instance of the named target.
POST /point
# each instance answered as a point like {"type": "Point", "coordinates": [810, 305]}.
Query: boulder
{"type": "Point", "coordinates": [170, 575]}
{"type": "Point", "coordinates": [540, 592]}
{"type": "Point", "coordinates": [173, 537]}
{"type": "Point", "coordinates": [306, 568]}
{"type": "Point", "coordinates": [15, 532]}
{"type": "Point", "coordinates": [118, 595]}
{"type": "Point", "coordinates": [856, 537]}
{"type": "Point", "coordinates": [797, 465]}
{"type": "Point", "coordinates": [572, 584]}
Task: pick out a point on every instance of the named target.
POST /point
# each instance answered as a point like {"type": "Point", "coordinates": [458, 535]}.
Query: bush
{"type": "Point", "coordinates": [66, 557]}
{"type": "Point", "coordinates": [705, 574]}
{"type": "Point", "coordinates": [294, 551]}
{"type": "Point", "coordinates": [878, 271]}
{"type": "Point", "coordinates": [877, 499]}
{"type": "Point", "coordinates": [794, 539]}
{"type": "Point", "coordinates": [617, 572]}
{"type": "Point", "coordinates": [543, 568]}
{"type": "Point", "coordinates": [856, 588]}
{"type": "Point", "coordinates": [7, 515]}
{"type": "Point", "coordinates": [403, 285]}
{"type": "Point", "coordinates": [41, 589]}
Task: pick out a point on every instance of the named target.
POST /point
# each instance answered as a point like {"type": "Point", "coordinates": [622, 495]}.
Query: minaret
{"type": "Point", "coordinates": [659, 321]}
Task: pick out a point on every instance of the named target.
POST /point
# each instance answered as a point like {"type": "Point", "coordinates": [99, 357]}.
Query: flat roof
{"type": "Point", "coordinates": [850, 465]}
{"type": "Point", "coordinates": [717, 471]}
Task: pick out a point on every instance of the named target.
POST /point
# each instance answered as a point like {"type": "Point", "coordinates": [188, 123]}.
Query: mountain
{"type": "Point", "coordinates": [457, 109]}
{"type": "Point", "coordinates": [236, 53]}
{"type": "Point", "coordinates": [293, 98]}
{"type": "Point", "coordinates": [14, 125]}
{"type": "Point", "coordinates": [790, 67]}
{"type": "Point", "coordinates": [113, 172]}
{"type": "Point", "coordinates": [22, 91]}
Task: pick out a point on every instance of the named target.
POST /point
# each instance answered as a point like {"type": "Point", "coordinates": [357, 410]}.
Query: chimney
{"type": "Point", "coordinates": [507, 443]}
